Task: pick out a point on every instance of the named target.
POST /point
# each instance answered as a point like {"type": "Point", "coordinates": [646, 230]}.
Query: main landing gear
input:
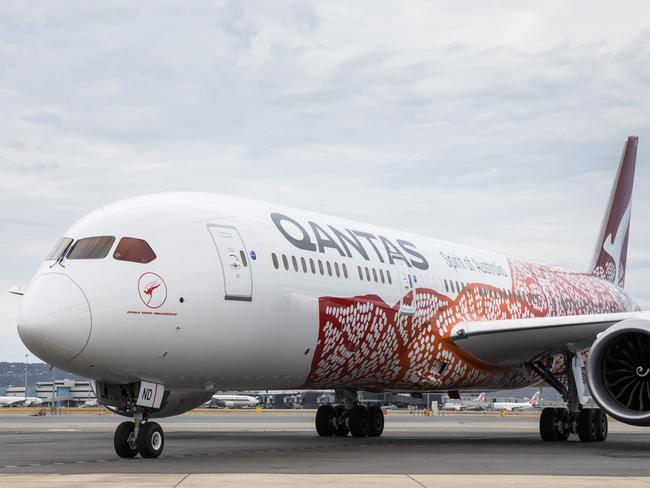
{"type": "Point", "coordinates": [557, 424]}
{"type": "Point", "coordinates": [139, 436]}
{"type": "Point", "coordinates": [349, 417]}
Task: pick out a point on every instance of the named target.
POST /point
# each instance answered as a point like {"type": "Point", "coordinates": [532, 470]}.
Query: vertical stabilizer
{"type": "Point", "coordinates": [610, 255]}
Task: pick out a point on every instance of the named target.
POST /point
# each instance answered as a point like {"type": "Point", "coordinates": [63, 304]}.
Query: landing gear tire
{"type": "Point", "coordinates": [341, 428]}
{"type": "Point", "coordinates": [123, 442]}
{"type": "Point", "coordinates": [359, 421]}
{"type": "Point", "coordinates": [603, 428]}
{"type": "Point", "coordinates": [375, 421]}
{"type": "Point", "coordinates": [592, 425]}
{"type": "Point", "coordinates": [325, 420]}
{"type": "Point", "coordinates": [553, 424]}
{"type": "Point", "coordinates": [151, 440]}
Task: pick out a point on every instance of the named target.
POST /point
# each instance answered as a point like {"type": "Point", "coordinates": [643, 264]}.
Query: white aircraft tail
{"type": "Point", "coordinates": [481, 397]}
{"type": "Point", "coordinates": [610, 255]}
{"type": "Point", "coordinates": [534, 399]}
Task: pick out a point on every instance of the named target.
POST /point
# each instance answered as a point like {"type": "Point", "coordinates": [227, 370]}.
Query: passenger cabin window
{"type": "Point", "coordinates": [134, 250]}
{"type": "Point", "coordinates": [91, 248]}
{"type": "Point", "coordinates": [59, 249]}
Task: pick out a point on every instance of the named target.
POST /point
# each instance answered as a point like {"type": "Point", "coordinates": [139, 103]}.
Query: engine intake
{"type": "Point", "coordinates": [618, 371]}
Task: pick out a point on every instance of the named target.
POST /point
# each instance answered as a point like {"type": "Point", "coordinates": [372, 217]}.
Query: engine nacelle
{"type": "Point", "coordinates": [618, 371]}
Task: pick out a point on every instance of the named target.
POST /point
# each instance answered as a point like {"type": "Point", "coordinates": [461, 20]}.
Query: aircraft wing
{"type": "Point", "coordinates": [516, 341]}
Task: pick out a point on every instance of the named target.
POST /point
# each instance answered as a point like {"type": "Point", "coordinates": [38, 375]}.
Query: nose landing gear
{"type": "Point", "coordinates": [139, 436]}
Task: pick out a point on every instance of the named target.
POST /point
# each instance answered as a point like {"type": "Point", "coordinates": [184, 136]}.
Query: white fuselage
{"type": "Point", "coordinates": [235, 401]}
{"type": "Point", "coordinates": [9, 401]}
{"type": "Point", "coordinates": [235, 279]}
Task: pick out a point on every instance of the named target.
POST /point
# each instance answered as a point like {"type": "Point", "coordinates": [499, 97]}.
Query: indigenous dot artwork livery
{"type": "Point", "coordinates": [366, 343]}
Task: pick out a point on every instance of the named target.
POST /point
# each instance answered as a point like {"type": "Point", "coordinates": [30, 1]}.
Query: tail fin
{"type": "Point", "coordinates": [481, 398]}
{"type": "Point", "coordinates": [535, 398]}
{"type": "Point", "coordinates": [610, 255]}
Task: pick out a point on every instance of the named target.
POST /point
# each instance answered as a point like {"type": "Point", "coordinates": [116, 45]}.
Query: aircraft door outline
{"type": "Point", "coordinates": [235, 266]}
{"type": "Point", "coordinates": [407, 284]}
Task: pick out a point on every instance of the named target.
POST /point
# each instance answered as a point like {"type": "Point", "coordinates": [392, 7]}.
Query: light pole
{"type": "Point", "coordinates": [25, 375]}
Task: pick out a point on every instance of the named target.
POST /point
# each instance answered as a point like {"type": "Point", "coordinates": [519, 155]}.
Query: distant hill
{"type": "Point", "coordinates": [13, 374]}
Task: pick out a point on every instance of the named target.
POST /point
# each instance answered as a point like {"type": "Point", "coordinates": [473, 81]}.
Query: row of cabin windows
{"type": "Point", "coordinates": [457, 286]}
{"type": "Point", "coordinates": [292, 262]}
{"type": "Point", "coordinates": [332, 269]}
{"type": "Point", "coordinates": [376, 276]}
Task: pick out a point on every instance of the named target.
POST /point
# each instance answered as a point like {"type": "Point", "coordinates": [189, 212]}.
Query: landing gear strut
{"type": "Point", "coordinates": [349, 416]}
{"type": "Point", "coordinates": [139, 436]}
{"type": "Point", "coordinates": [557, 424]}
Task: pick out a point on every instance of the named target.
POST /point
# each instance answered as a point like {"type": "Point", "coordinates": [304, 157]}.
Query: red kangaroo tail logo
{"type": "Point", "coordinates": [533, 401]}
{"type": "Point", "coordinates": [152, 290]}
{"type": "Point", "coordinates": [610, 257]}
{"type": "Point", "coordinates": [481, 397]}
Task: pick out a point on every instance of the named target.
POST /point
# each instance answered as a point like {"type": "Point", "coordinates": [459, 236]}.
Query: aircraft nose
{"type": "Point", "coordinates": [54, 320]}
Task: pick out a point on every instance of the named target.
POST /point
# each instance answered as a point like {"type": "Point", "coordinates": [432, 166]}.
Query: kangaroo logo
{"type": "Point", "coordinates": [613, 245]}
{"type": "Point", "coordinates": [152, 290]}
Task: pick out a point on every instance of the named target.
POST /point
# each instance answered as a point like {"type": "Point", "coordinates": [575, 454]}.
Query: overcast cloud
{"type": "Point", "coordinates": [494, 124]}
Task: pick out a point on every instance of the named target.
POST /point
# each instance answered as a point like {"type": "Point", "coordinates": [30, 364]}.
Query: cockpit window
{"type": "Point", "coordinates": [134, 250]}
{"type": "Point", "coordinates": [91, 248]}
{"type": "Point", "coordinates": [58, 249]}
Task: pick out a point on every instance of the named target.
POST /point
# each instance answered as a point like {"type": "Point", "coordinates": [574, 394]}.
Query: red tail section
{"type": "Point", "coordinates": [535, 398]}
{"type": "Point", "coordinates": [610, 255]}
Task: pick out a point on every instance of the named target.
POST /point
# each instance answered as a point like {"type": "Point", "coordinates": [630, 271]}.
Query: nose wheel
{"type": "Point", "coordinates": [148, 441]}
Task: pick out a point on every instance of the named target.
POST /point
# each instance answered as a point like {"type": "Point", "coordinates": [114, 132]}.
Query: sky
{"type": "Point", "coordinates": [493, 124]}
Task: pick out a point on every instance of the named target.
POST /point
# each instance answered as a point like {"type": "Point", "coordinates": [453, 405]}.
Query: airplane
{"type": "Point", "coordinates": [511, 406]}
{"type": "Point", "coordinates": [162, 300]}
{"type": "Point", "coordinates": [235, 401]}
{"type": "Point", "coordinates": [473, 404]}
{"type": "Point", "coordinates": [13, 401]}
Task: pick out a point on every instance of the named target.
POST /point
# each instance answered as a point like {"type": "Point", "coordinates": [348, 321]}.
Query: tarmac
{"type": "Point", "coordinates": [225, 448]}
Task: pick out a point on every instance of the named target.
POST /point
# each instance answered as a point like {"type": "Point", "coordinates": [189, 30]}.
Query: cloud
{"type": "Point", "coordinates": [493, 125]}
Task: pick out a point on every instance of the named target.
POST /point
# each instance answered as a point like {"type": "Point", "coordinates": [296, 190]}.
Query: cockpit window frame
{"type": "Point", "coordinates": [136, 240]}
{"type": "Point", "coordinates": [93, 253]}
{"type": "Point", "coordinates": [61, 246]}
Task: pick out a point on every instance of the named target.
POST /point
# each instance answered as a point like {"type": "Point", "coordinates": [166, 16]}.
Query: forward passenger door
{"type": "Point", "coordinates": [237, 277]}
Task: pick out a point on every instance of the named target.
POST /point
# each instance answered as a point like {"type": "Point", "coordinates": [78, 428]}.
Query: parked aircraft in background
{"type": "Point", "coordinates": [14, 401]}
{"type": "Point", "coordinates": [511, 406]}
{"type": "Point", "coordinates": [477, 403]}
{"type": "Point", "coordinates": [164, 299]}
{"type": "Point", "coordinates": [235, 401]}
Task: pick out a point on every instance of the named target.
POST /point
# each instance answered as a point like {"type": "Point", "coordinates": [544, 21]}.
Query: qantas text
{"type": "Point", "coordinates": [348, 240]}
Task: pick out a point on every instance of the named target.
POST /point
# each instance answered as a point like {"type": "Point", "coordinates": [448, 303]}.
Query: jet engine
{"type": "Point", "coordinates": [618, 371]}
